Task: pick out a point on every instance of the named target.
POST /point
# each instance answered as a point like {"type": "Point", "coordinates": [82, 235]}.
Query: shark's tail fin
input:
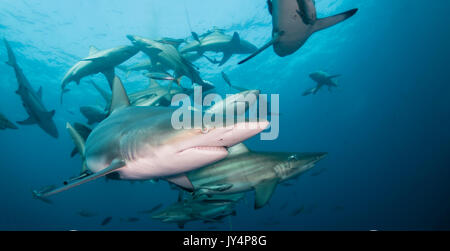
{"type": "Point", "coordinates": [327, 22]}
{"type": "Point", "coordinates": [11, 57]}
{"type": "Point", "coordinates": [79, 143]}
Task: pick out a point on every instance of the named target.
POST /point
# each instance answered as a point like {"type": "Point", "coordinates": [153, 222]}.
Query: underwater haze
{"type": "Point", "coordinates": [385, 128]}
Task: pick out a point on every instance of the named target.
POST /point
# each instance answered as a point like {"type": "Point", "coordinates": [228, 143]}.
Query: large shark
{"type": "Point", "coordinates": [244, 170]}
{"type": "Point", "coordinates": [322, 79]}
{"type": "Point", "coordinates": [140, 143]}
{"type": "Point", "coordinates": [99, 62]}
{"type": "Point", "coordinates": [31, 100]}
{"type": "Point", "coordinates": [294, 21]}
{"type": "Point", "coordinates": [169, 57]}
{"type": "Point", "coordinates": [6, 124]}
{"type": "Point", "coordinates": [218, 41]}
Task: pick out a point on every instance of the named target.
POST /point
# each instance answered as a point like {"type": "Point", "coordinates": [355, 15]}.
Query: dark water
{"type": "Point", "coordinates": [386, 127]}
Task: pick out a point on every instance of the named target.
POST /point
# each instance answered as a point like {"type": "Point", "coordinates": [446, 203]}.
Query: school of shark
{"type": "Point", "coordinates": [131, 137]}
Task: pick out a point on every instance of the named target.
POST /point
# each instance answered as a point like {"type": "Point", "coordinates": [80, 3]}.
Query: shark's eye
{"type": "Point", "coordinates": [293, 157]}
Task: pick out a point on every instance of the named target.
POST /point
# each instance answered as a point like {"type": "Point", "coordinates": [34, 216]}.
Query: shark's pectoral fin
{"type": "Point", "coordinates": [39, 93]}
{"type": "Point", "coordinates": [115, 165]}
{"type": "Point", "coordinates": [152, 51]}
{"type": "Point", "coordinates": [181, 181]}
{"type": "Point", "coordinates": [263, 192]}
{"type": "Point", "coordinates": [327, 22]}
{"type": "Point", "coordinates": [226, 57]}
{"type": "Point", "coordinates": [274, 40]}
{"type": "Point", "coordinates": [28, 121]}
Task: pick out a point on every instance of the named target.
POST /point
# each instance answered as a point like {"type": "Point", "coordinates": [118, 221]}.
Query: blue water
{"type": "Point", "coordinates": [386, 127]}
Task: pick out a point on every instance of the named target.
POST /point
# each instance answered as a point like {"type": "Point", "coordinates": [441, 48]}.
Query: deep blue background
{"type": "Point", "coordinates": [386, 128]}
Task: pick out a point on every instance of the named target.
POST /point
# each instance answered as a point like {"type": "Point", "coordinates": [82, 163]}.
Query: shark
{"type": "Point", "coordinates": [140, 143]}
{"type": "Point", "coordinates": [211, 209]}
{"type": "Point", "coordinates": [98, 62]}
{"type": "Point", "coordinates": [169, 57]}
{"type": "Point", "coordinates": [294, 21]}
{"type": "Point", "coordinates": [143, 66]}
{"type": "Point", "coordinates": [154, 95]}
{"type": "Point", "coordinates": [244, 170]}
{"type": "Point", "coordinates": [322, 79]}
{"type": "Point", "coordinates": [31, 99]}
{"type": "Point", "coordinates": [217, 41]}
{"type": "Point", "coordinates": [6, 124]}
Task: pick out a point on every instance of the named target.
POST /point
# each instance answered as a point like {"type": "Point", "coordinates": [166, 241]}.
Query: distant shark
{"type": "Point", "coordinates": [140, 143]}
{"type": "Point", "coordinates": [31, 100]}
{"type": "Point", "coordinates": [6, 124]}
{"type": "Point", "coordinates": [322, 79]}
{"type": "Point", "coordinates": [244, 170]}
{"type": "Point", "coordinates": [98, 62]}
{"type": "Point", "coordinates": [154, 95]}
{"type": "Point", "coordinates": [294, 21]}
{"type": "Point", "coordinates": [211, 209]}
{"type": "Point", "coordinates": [169, 57]}
{"type": "Point", "coordinates": [217, 41]}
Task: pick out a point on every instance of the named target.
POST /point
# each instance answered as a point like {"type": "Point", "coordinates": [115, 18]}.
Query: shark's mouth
{"type": "Point", "coordinates": [218, 149]}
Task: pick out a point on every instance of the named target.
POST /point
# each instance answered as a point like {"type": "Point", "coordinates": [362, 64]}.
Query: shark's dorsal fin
{"type": "Point", "coordinates": [236, 40]}
{"type": "Point", "coordinates": [93, 50]}
{"type": "Point", "coordinates": [238, 149]}
{"type": "Point", "coordinates": [119, 96]}
{"type": "Point", "coordinates": [264, 191]}
{"type": "Point", "coordinates": [153, 84]}
{"type": "Point", "coordinates": [39, 93]}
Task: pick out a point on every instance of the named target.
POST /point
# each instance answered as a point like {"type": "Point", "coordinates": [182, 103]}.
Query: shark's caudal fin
{"type": "Point", "coordinates": [11, 57]}
{"type": "Point", "coordinates": [327, 22]}
{"type": "Point", "coordinates": [105, 95]}
{"type": "Point", "coordinates": [115, 165]}
{"type": "Point", "coordinates": [78, 140]}
{"type": "Point", "coordinates": [119, 96]}
{"type": "Point", "coordinates": [275, 39]}
{"type": "Point", "coordinates": [263, 192]}
{"type": "Point", "coordinates": [83, 132]}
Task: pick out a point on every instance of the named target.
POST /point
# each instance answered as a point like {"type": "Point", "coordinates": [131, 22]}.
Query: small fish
{"type": "Point", "coordinates": [152, 210]}
{"type": "Point", "coordinates": [160, 76]}
{"type": "Point", "coordinates": [284, 205]}
{"type": "Point", "coordinates": [298, 211]}
{"type": "Point", "coordinates": [130, 219]}
{"type": "Point", "coordinates": [86, 214]}
{"type": "Point", "coordinates": [106, 221]}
